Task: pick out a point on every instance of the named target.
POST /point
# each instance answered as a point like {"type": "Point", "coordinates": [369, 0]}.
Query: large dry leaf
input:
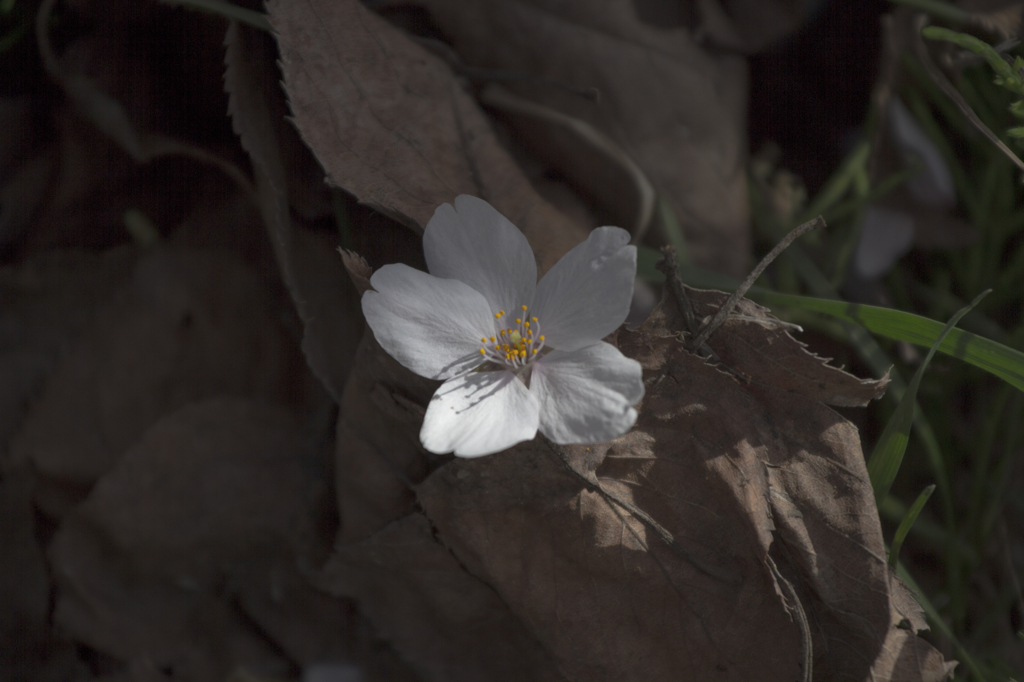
{"type": "Point", "coordinates": [731, 535]}
{"type": "Point", "coordinates": [757, 23]}
{"type": "Point", "coordinates": [45, 303]}
{"type": "Point", "coordinates": [676, 107]}
{"type": "Point", "coordinates": [186, 325]}
{"type": "Point", "coordinates": [212, 510]}
{"type": "Point", "coordinates": [24, 579]}
{"type": "Point", "coordinates": [449, 624]}
{"type": "Point", "coordinates": [324, 298]}
{"type": "Point", "coordinates": [390, 124]}
{"type": "Point", "coordinates": [378, 455]}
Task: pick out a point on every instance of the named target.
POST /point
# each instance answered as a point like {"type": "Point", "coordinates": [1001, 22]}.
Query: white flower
{"type": "Point", "coordinates": [516, 355]}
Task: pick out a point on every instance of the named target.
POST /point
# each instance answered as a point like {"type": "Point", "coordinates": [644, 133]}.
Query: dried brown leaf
{"type": "Point", "coordinates": [904, 655]}
{"type": "Point", "coordinates": [186, 325]}
{"type": "Point", "coordinates": [756, 22]}
{"type": "Point", "coordinates": [214, 502]}
{"type": "Point", "coordinates": [327, 304]}
{"type": "Point", "coordinates": [24, 578]}
{"type": "Point", "coordinates": [676, 108]}
{"type": "Point", "coordinates": [446, 622]}
{"type": "Point", "coordinates": [378, 456]}
{"type": "Point", "coordinates": [763, 352]}
{"type": "Point", "coordinates": [600, 590]}
{"type": "Point", "coordinates": [731, 535]}
{"type": "Point", "coordinates": [358, 269]}
{"type": "Point", "coordinates": [46, 303]}
{"type": "Point", "coordinates": [102, 603]}
{"type": "Point", "coordinates": [390, 124]}
{"type": "Point", "coordinates": [22, 193]}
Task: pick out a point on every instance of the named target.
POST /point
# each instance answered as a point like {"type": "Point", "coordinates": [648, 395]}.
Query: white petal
{"type": "Point", "coordinates": [479, 414]}
{"type": "Point", "coordinates": [475, 244]}
{"type": "Point", "coordinates": [934, 186]}
{"type": "Point", "coordinates": [586, 396]}
{"type": "Point", "coordinates": [432, 326]}
{"type": "Point", "coordinates": [885, 236]}
{"type": "Point", "coordinates": [586, 296]}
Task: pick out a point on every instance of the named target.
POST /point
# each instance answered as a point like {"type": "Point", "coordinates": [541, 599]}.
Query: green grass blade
{"type": "Point", "coordinates": [978, 47]}
{"type": "Point", "coordinates": [935, 620]}
{"type": "Point", "coordinates": [838, 185]}
{"type": "Point", "coordinates": [932, 534]}
{"type": "Point", "coordinates": [907, 523]}
{"type": "Point", "coordinates": [995, 358]}
{"type": "Point", "coordinates": [887, 456]}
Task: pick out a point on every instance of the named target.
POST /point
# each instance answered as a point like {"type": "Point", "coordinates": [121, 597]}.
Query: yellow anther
{"type": "Point", "coordinates": [483, 340]}
{"type": "Point", "coordinates": [522, 353]}
{"type": "Point", "coordinates": [527, 325]}
{"type": "Point", "coordinates": [534, 351]}
{"type": "Point", "coordinates": [534, 319]}
{"type": "Point", "coordinates": [483, 352]}
{"type": "Point", "coordinates": [492, 339]}
{"type": "Point", "coordinates": [524, 308]}
{"type": "Point", "coordinates": [518, 321]}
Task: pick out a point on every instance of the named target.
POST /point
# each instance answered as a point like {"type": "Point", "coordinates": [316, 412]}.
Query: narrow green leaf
{"type": "Point", "coordinates": [1011, 80]}
{"type": "Point", "coordinates": [887, 456]}
{"type": "Point", "coordinates": [995, 358]}
{"type": "Point", "coordinates": [929, 533]}
{"type": "Point", "coordinates": [879, 191]}
{"type": "Point", "coordinates": [907, 523]}
{"type": "Point", "coordinates": [839, 184]}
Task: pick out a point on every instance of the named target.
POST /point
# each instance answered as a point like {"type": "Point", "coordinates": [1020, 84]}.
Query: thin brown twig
{"type": "Point", "coordinates": [715, 322]}
{"type": "Point", "coordinates": [669, 266]}
{"type": "Point", "coordinates": [940, 80]}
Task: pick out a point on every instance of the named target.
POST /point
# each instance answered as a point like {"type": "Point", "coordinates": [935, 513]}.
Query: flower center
{"type": "Point", "coordinates": [515, 346]}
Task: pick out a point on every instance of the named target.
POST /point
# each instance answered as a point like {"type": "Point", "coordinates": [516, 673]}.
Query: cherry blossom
{"type": "Point", "coordinates": [516, 355]}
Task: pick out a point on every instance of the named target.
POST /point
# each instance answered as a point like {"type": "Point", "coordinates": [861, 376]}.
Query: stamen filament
{"type": "Point", "coordinates": [516, 346]}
